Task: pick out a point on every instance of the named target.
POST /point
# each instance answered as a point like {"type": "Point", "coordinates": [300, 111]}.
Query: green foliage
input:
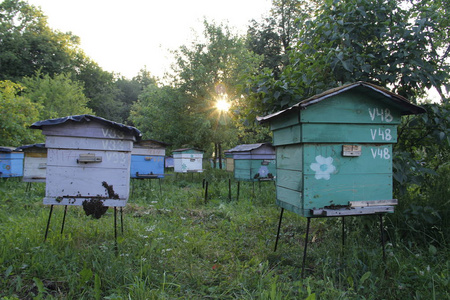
{"type": "Point", "coordinates": [59, 96]}
{"type": "Point", "coordinates": [18, 112]}
{"type": "Point", "coordinates": [176, 246]}
{"type": "Point", "coordinates": [205, 71]}
{"type": "Point", "coordinates": [347, 41]}
{"type": "Point", "coordinates": [27, 44]}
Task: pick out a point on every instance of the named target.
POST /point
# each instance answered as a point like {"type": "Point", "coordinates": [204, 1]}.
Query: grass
{"type": "Point", "coordinates": [176, 245]}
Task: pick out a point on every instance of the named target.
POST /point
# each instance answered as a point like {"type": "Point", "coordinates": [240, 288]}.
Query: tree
{"type": "Point", "coordinates": [131, 89]}
{"type": "Point", "coordinates": [58, 96]}
{"type": "Point", "coordinates": [275, 35]}
{"type": "Point", "coordinates": [99, 87]}
{"type": "Point", "coordinates": [27, 44]}
{"type": "Point", "coordinates": [346, 41]}
{"type": "Point", "coordinates": [160, 114]}
{"type": "Point", "coordinates": [18, 113]}
{"type": "Point", "coordinates": [208, 70]}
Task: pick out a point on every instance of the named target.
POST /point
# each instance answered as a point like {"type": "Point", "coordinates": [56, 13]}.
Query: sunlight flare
{"type": "Point", "coordinates": [223, 105]}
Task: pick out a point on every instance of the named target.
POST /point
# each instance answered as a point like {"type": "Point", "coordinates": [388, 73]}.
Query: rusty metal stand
{"type": "Point", "coordinates": [229, 189]}
{"type": "Point", "coordinates": [121, 218]}
{"type": "Point", "coordinates": [238, 190]}
{"type": "Point", "coordinates": [206, 192]}
{"type": "Point", "coordinates": [115, 228]}
{"type": "Point", "coordinates": [306, 247]}
{"type": "Point", "coordinates": [48, 222]}
{"type": "Point", "coordinates": [278, 232]}
{"type": "Point", "coordinates": [64, 219]}
{"type": "Point", "coordinates": [382, 237]}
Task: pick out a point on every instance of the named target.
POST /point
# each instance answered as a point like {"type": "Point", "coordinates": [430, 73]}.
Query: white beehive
{"type": "Point", "coordinates": [88, 160]}
{"type": "Point", "coordinates": [188, 160]}
{"type": "Point", "coordinates": [34, 162]}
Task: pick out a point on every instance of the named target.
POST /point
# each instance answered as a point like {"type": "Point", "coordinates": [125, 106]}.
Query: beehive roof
{"type": "Point", "coordinates": [186, 149]}
{"type": "Point", "coordinates": [150, 142]}
{"type": "Point", "coordinates": [406, 107]}
{"type": "Point", "coordinates": [247, 147]}
{"type": "Point", "coordinates": [40, 145]}
{"type": "Point", "coordinates": [88, 118]}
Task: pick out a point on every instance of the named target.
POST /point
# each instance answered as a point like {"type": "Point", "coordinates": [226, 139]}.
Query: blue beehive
{"type": "Point", "coordinates": [147, 159]}
{"type": "Point", "coordinates": [11, 162]}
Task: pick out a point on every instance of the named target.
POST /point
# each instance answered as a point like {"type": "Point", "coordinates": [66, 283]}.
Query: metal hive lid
{"type": "Point", "coordinates": [88, 118]}
{"type": "Point", "coordinates": [407, 108]}
{"type": "Point", "coordinates": [40, 145]}
{"type": "Point", "coordinates": [247, 147]}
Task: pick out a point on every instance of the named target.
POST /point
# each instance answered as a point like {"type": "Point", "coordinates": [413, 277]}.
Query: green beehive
{"type": "Point", "coordinates": [334, 151]}
{"type": "Point", "coordinates": [254, 162]}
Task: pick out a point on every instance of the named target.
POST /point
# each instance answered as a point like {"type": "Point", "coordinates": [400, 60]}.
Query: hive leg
{"type": "Point", "coordinates": [306, 246]}
{"type": "Point", "coordinates": [48, 222]}
{"type": "Point", "coordinates": [382, 237]}
{"type": "Point", "coordinates": [278, 232]}
{"type": "Point", "coordinates": [64, 219]}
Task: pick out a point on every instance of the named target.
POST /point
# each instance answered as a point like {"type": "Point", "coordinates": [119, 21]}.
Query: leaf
{"type": "Point", "coordinates": [40, 285]}
{"type": "Point", "coordinates": [97, 286]}
{"type": "Point", "coordinates": [432, 249]}
{"type": "Point", "coordinates": [311, 297]}
{"type": "Point", "coordinates": [364, 277]}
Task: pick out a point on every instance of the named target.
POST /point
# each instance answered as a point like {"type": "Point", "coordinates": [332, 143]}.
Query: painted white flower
{"type": "Point", "coordinates": [263, 171]}
{"type": "Point", "coordinates": [323, 167]}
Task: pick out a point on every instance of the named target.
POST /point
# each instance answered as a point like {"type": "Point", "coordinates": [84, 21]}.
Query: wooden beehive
{"type": "Point", "coordinates": [334, 151]}
{"type": "Point", "coordinates": [169, 162]}
{"type": "Point", "coordinates": [11, 162]}
{"type": "Point", "coordinates": [254, 162]}
{"type": "Point", "coordinates": [229, 161]}
{"type": "Point", "coordinates": [147, 159]}
{"type": "Point", "coordinates": [34, 163]}
{"type": "Point", "coordinates": [88, 159]}
{"type": "Point", "coordinates": [188, 160]}
{"type": "Point", "coordinates": [224, 162]}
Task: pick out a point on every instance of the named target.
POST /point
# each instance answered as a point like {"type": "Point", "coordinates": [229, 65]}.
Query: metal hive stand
{"type": "Point", "coordinates": [64, 220]}
{"type": "Point", "coordinates": [371, 208]}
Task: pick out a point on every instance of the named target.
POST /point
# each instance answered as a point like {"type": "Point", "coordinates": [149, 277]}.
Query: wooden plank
{"type": "Point", "coordinates": [145, 165]}
{"type": "Point", "coordinates": [349, 133]}
{"type": "Point", "coordinates": [68, 158]}
{"type": "Point", "coordinates": [230, 164]}
{"type": "Point", "coordinates": [290, 157]}
{"type": "Point", "coordinates": [288, 119]}
{"type": "Point", "coordinates": [86, 129]}
{"type": "Point", "coordinates": [79, 201]}
{"type": "Point", "coordinates": [290, 179]}
{"type": "Point", "coordinates": [148, 151]}
{"type": "Point", "coordinates": [183, 165]}
{"type": "Point", "coordinates": [292, 208]}
{"type": "Point", "coordinates": [33, 168]}
{"type": "Point", "coordinates": [353, 106]}
{"type": "Point", "coordinates": [74, 181]}
{"type": "Point", "coordinates": [65, 142]}
{"type": "Point", "coordinates": [352, 212]}
{"type": "Point", "coordinates": [374, 159]}
{"type": "Point", "coordinates": [342, 188]}
{"type": "Point", "coordinates": [36, 154]}
{"type": "Point", "coordinates": [288, 135]}
{"type": "Point", "coordinates": [290, 197]}
{"type": "Point", "coordinates": [373, 203]}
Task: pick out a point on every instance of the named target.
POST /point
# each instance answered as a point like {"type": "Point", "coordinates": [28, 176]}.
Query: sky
{"type": "Point", "coordinates": [124, 36]}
